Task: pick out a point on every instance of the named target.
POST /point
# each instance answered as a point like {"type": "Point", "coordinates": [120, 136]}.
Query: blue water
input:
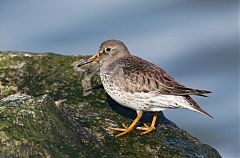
{"type": "Point", "coordinates": [195, 41]}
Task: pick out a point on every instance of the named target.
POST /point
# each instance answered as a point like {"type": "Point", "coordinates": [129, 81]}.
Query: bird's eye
{"type": "Point", "coordinates": [107, 49]}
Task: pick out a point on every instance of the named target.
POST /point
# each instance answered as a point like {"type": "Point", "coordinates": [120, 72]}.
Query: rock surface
{"type": "Point", "coordinates": [46, 110]}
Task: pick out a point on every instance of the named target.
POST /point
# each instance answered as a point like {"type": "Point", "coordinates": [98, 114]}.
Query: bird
{"type": "Point", "coordinates": [140, 85]}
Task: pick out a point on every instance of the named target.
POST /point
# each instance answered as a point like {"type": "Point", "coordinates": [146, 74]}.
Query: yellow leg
{"type": "Point", "coordinates": [126, 130]}
{"type": "Point", "coordinates": [148, 129]}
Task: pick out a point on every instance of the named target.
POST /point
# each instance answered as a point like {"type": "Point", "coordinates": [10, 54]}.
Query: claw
{"type": "Point", "coordinates": [124, 125]}
{"type": "Point", "coordinates": [117, 129]}
{"type": "Point", "coordinates": [126, 129]}
{"type": "Point", "coordinates": [145, 125]}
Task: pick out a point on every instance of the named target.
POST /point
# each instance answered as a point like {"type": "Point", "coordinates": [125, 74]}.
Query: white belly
{"type": "Point", "coordinates": [141, 101]}
{"type": "Point", "coordinates": [147, 101]}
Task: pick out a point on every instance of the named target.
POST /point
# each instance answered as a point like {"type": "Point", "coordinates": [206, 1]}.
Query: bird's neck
{"type": "Point", "coordinates": [108, 66]}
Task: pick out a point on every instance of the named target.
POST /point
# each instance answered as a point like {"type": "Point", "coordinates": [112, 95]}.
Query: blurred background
{"type": "Point", "coordinates": [197, 42]}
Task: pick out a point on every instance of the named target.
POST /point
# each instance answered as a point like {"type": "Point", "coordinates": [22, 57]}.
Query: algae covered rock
{"type": "Point", "coordinates": [48, 109]}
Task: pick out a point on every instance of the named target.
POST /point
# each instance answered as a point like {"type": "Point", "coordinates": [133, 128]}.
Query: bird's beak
{"type": "Point", "coordinates": [96, 57]}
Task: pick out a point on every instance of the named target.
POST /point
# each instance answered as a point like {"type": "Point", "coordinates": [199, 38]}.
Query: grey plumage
{"type": "Point", "coordinates": [134, 74]}
{"type": "Point", "coordinates": [138, 84]}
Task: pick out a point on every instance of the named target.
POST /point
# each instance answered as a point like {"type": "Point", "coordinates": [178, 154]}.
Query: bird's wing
{"type": "Point", "coordinates": [143, 76]}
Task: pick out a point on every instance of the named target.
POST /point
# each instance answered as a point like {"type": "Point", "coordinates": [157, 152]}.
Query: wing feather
{"type": "Point", "coordinates": [143, 76]}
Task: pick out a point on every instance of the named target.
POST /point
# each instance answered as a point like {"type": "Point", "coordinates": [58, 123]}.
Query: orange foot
{"type": "Point", "coordinates": [126, 129]}
{"type": "Point", "coordinates": [147, 128]}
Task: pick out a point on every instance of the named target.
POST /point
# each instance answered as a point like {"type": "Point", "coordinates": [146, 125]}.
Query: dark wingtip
{"type": "Point", "coordinates": [209, 115]}
{"type": "Point", "coordinates": [202, 95]}
{"type": "Point", "coordinates": [203, 112]}
{"type": "Point", "coordinates": [202, 92]}
{"type": "Point", "coordinates": [206, 92]}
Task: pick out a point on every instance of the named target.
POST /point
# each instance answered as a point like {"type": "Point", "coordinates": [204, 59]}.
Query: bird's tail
{"type": "Point", "coordinates": [202, 92]}
{"type": "Point", "coordinates": [195, 107]}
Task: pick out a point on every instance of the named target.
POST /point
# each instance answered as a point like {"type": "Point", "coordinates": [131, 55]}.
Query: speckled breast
{"type": "Point", "coordinates": [138, 101]}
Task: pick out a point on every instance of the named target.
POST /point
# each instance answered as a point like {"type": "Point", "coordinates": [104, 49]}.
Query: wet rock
{"type": "Point", "coordinates": [16, 100]}
{"type": "Point", "coordinates": [49, 114]}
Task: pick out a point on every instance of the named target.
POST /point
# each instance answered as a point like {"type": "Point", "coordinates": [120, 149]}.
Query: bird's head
{"type": "Point", "coordinates": [108, 52]}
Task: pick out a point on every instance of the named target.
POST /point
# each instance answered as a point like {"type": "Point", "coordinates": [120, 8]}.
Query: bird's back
{"type": "Point", "coordinates": [139, 78]}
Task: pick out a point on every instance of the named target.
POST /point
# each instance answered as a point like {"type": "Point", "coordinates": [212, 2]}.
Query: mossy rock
{"type": "Point", "coordinates": [46, 112]}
